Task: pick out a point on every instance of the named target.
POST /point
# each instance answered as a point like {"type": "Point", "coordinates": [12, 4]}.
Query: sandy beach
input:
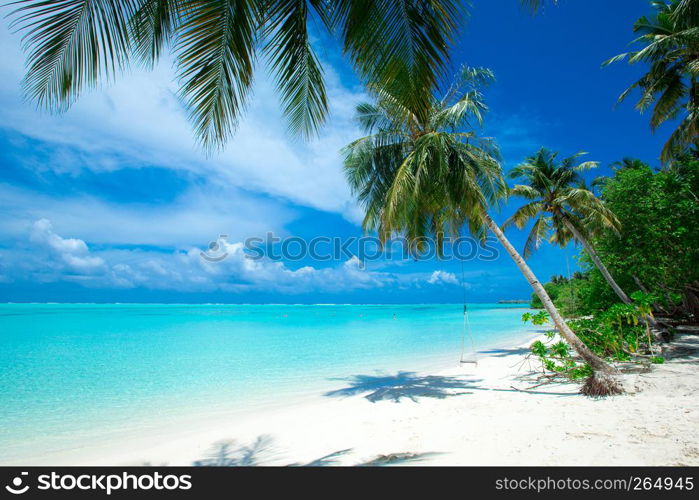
{"type": "Point", "coordinates": [473, 415]}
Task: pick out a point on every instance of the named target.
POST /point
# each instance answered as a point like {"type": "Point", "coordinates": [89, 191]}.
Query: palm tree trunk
{"type": "Point", "coordinates": [658, 331]}
{"type": "Point", "coordinates": [598, 263]}
{"type": "Point", "coordinates": [597, 363]}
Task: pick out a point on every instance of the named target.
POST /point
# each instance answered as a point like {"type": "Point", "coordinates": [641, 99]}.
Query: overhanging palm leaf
{"type": "Point", "coordinates": [72, 44]}
{"type": "Point", "coordinates": [416, 37]}
{"type": "Point", "coordinates": [215, 58]}
{"type": "Point", "coordinates": [153, 25]}
{"type": "Point", "coordinates": [670, 40]}
{"type": "Point", "coordinates": [299, 75]}
{"type": "Point", "coordinates": [76, 44]}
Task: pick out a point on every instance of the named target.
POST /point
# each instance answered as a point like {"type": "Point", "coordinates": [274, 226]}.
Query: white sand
{"type": "Point", "coordinates": [489, 423]}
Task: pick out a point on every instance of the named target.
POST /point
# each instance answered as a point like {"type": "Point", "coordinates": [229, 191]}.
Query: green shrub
{"type": "Point", "coordinates": [617, 334]}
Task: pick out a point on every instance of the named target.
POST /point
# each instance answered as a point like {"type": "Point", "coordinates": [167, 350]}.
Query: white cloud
{"type": "Point", "coordinates": [72, 252]}
{"type": "Point", "coordinates": [442, 277]}
{"type": "Point", "coordinates": [49, 257]}
{"type": "Point", "coordinates": [139, 119]}
{"type": "Point", "coordinates": [197, 216]}
{"type": "Point", "coordinates": [46, 256]}
{"type": "Point", "coordinates": [243, 191]}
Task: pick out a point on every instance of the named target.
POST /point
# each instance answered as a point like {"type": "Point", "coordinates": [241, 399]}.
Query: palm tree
{"type": "Point", "coordinates": [559, 202]}
{"type": "Point", "coordinates": [671, 50]}
{"type": "Point", "coordinates": [76, 44]}
{"type": "Point", "coordinates": [433, 174]}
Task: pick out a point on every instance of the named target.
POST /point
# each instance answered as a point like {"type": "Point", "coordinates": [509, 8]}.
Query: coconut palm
{"type": "Point", "coordinates": [72, 45]}
{"type": "Point", "coordinates": [671, 85]}
{"type": "Point", "coordinates": [561, 207]}
{"type": "Point", "coordinates": [435, 174]}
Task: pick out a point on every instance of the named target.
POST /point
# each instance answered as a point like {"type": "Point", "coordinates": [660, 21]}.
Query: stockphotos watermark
{"type": "Point", "coordinates": [364, 248]}
{"type": "Point", "coordinates": [104, 483]}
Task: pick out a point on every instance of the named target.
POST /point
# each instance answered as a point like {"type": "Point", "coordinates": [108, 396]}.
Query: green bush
{"type": "Point", "coordinates": [565, 294]}
{"type": "Point", "coordinates": [658, 242]}
{"type": "Point", "coordinates": [617, 334]}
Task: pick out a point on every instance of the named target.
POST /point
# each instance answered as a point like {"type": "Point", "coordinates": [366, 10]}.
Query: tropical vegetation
{"type": "Point", "coordinates": [657, 248]}
{"type": "Point", "coordinates": [654, 255]}
{"type": "Point", "coordinates": [561, 206]}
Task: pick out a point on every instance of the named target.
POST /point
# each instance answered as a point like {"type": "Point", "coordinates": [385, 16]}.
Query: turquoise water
{"type": "Point", "coordinates": [75, 372]}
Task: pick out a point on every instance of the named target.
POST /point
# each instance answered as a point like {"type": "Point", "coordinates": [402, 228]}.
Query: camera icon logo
{"type": "Point", "coordinates": [16, 487]}
{"type": "Point", "coordinates": [216, 251]}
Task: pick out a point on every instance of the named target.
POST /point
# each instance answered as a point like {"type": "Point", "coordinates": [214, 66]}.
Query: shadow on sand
{"type": "Point", "coordinates": [262, 451]}
{"type": "Point", "coordinates": [407, 385]}
{"type": "Point", "coordinates": [231, 454]}
{"type": "Point", "coordinates": [501, 353]}
{"type": "Point", "coordinates": [683, 349]}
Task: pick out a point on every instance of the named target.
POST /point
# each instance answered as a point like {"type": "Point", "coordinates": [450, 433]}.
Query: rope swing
{"type": "Point", "coordinates": [466, 329]}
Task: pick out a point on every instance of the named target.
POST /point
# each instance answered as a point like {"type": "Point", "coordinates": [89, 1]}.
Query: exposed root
{"type": "Point", "coordinates": [599, 385]}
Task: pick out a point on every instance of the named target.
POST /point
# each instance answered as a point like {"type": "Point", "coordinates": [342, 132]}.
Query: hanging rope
{"type": "Point", "coordinates": [466, 324]}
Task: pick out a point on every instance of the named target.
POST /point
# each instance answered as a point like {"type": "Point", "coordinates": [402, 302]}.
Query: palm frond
{"type": "Point", "coordinates": [469, 108]}
{"type": "Point", "coordinates": [298, 73]}
{"type": "Point", "coordinates": [584, 205]}
{"type": "Point", "coordinates": [153, 26]}
{"type": "Point", "coordinates": [71, 45]}
{"type": "Point", "coordinates": [536, 235]}
{"type": "Point", "coordinates": [685, 136]}
{"type": "Point", "coordinates": [523, 215]}
{"type": "Point", "coordinates": [401, 44]}
{"type": "Point", "coordinates": [586, 165]}
{"type": "Point", "coordinates": [468, 79]}
{"type": "Point", "coordinates": [525, 191]}
{"type": "Point", "coordinates": [215, 59]}
{"type": "Point", "coordinates": [669, 40]}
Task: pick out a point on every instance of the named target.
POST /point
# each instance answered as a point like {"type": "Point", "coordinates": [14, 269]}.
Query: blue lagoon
{"type": "Point", "coordinates": [76, 373]}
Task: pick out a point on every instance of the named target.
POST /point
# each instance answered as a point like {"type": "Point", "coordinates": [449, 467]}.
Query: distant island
{"type": "Point", "coordinates": [513, 302]}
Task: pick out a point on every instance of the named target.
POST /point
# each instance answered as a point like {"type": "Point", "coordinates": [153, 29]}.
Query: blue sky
{"type": "Point", "coordinates": [113, 201]}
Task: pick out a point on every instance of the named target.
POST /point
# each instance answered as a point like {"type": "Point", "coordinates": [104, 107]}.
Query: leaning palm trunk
{"type": "Point", "coordinates": [653, 325]}
{"type": "Point", "coordinates": [598, 263]}
{"type": "Point", "coordinates": [602, 381]}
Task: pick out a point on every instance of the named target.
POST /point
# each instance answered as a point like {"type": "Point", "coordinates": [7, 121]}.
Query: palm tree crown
{"type": "Point", "coordinates": [425, 174]}
{"type": "Point", "coordinates": [74, 44]}
{"type": "Point", "coordinates": [671, 49]}
{"type": "Point", "coordinates": [432, 174]}
{"type": "Point", "coordinates": [557, 194]}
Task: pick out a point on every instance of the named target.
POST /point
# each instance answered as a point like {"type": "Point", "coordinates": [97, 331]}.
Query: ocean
{"type": "Point", "coordinates": [76, 373]}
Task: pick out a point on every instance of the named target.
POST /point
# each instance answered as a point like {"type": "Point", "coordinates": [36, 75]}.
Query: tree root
{"type": "Point", "coordinates": [599, 385]}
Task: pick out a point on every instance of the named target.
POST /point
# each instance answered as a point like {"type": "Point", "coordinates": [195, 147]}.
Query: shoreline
{"type": "Point", "coordinates": [186, 423]}
{"type": "Point", "coordinates": [469, 415]}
